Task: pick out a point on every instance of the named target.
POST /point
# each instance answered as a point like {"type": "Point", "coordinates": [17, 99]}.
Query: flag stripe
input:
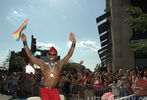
{"type": "Point", "coordinates": [17, 34]}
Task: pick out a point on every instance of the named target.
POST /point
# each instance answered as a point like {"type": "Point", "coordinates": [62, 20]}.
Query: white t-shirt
{"type": "Point", "coordinates": [115, 90]}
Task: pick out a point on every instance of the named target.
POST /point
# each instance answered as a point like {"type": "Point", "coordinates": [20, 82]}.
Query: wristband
{"type": "Point", "coordinates": [73, 45]}
{"type": "Point", "coordinates": [62, 61]}
{"type": "Point", "coordinates": [25, 43]}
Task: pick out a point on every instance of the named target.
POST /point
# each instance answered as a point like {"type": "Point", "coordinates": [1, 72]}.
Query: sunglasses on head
{"type": "Point", "coordinates": [52, 54]}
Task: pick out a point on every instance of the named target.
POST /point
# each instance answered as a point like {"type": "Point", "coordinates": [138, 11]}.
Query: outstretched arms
{"type": "Point", "coordinates": [29, 54]}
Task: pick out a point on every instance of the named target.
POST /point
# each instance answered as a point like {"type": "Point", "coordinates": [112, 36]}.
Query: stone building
{"type": "Point", "coordinates": [116, 34]}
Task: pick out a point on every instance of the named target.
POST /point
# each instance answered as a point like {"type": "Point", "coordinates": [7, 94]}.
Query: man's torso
{"type": "Point", "coordinates": [50, 78]}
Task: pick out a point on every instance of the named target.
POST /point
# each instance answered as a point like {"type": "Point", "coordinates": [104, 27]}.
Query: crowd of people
{"type": "Point", "coordinates": [78, 85]}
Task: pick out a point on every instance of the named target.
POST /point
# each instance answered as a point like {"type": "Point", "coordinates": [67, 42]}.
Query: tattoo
{"type": "Point", "coordinates": [25, 43]}
{"type": "Point", "coordinates": [73, 45]}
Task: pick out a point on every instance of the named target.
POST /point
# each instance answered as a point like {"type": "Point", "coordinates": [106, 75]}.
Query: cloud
{"type": "Point", "coordinates": [15, 14]}
{"type": "Point", "coordinates": [44, 45]}
{"type": "Point", "coordinates": [86, 44]}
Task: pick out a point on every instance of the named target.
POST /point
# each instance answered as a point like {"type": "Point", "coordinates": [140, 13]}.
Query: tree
{"type": "Point", "coordinates": [100, 68]}
{"type": "Point", "coordinates": [87, 70]}
{"type": "Point", "coordinates": [138, 22]}
{"type": "Point", "coordinates": [97, 67]}
{"type": "Point", "coordinates": [139, 46]}
{"type": "Point", "coordinates": [6, 62]}
{"type": "Point", "coordinates": [16, 63]}
{"type": "Point", "coordinates": [72, 67]}
{"type": "Point", "coordinates": [138, 19]}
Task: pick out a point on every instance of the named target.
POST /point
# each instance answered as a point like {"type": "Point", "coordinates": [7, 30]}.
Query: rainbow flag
{"type": "Point", "coordinates": [17, 34]}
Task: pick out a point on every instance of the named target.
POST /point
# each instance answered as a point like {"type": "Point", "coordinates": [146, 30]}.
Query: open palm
{"type": "Point", "coordinates": [72, 37]}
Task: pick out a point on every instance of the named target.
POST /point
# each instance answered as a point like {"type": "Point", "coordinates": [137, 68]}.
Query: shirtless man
{"type": "Point", "coordinates": [51, 71]}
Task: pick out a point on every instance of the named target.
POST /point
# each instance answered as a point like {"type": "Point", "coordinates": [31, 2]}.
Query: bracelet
{"type": "Point", "coordinates": [73, 45]}
{"type": "Point", "coordinates": [25, 43]}
{"type": "Point", "coordinates": [62, 62]}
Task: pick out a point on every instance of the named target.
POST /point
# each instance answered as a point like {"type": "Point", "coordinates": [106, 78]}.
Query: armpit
{"type": "Point", "coordinates": [41, 64]}
{"type": "Point", "coordinates": [60, 64]}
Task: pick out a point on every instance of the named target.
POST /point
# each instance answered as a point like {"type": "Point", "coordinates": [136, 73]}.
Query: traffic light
{"type": "Point", "coordinates": [33, 45]}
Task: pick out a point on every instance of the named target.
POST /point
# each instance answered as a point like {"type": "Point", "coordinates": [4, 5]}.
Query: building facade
{"type": "Point", "coordinates": [115, 36]}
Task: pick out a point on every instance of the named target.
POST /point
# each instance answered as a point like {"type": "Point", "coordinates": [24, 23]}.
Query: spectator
{"type": "Point", "coordinates": [108, 96]}
{"type": "Point", "coordinates": [141, 85]}
{"type": "Point", "coordinates": [98, 87]}
{"type": "Point", "coordinates": [115, 88]}
{"type": "Point", "coordinates": [130, 90]}
{"type": "Point", "coordinates": [120, 72]}
{"type": "Point", "coordinates": [105, 86]}
{"type": "Point", "coordinates": [67, 84]}
{"type": "Point", "coordinates": [123, 86]}
{"type": "Point", "coordinates": [61, 84]}
{"type": "Point", "coordinates": [145, 75]}
{"type": "Point", "coordinates": [74, 88]}
{"type": "Point", "coordinates": [88, 92]}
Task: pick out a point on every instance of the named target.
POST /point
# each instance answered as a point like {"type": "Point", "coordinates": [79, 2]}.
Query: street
{"type": "Point", "coordinates": [5, 97]}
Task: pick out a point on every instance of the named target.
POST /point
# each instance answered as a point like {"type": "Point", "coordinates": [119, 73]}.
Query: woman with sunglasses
{"type": "Point", "coordinates": [51, 71]}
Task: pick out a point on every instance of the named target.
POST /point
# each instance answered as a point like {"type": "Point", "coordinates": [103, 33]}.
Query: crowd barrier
{"type": "Point", "coordinates": [30, 88]}
{"type": "Point", "coordinates": [133, 97]}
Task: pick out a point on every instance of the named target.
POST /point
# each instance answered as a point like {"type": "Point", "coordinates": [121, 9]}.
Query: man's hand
{"type": "Point", "coordinates": [71, 50]}
{"type": "Point", "coordinates": [72, 37]}
{"type": "Point", "coordinates": [23, 37]}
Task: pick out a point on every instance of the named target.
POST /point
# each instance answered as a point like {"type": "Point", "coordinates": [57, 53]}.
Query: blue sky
{"type": "Point", "coordinates": [51, 21]}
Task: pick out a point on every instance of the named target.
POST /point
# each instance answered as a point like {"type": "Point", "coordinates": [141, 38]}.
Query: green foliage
{"type": "Point", "coordinates": [139, 46]}
{"type": "Point", "coordinates": [16, 63]}
{"type": "Point", "coordinates": [72, 67]}
{"type": "Point", "coordinates": [6, 62]}
{"type": "Point", "coordinates": [138, 20]}
{"type": "Point", "coordinates": [87, 70]}
{"type": "Point", "coordinates": [100, 68]}
{"type": "Point", "coordinates": [103, 69]}
{"type": "Point", "coordinates": [96, 69]}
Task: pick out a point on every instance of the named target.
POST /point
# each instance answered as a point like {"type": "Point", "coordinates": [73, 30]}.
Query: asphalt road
{"type": "Point", "coordinates": [5, 97]}
{"type": "Point", "coordinates": [8, 97]}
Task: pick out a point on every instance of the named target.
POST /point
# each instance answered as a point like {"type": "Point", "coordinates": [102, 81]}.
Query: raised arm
{"type": "Point", "coordinates": [29, 54]}
{"type": "Point", "coordinates": [71, 50]}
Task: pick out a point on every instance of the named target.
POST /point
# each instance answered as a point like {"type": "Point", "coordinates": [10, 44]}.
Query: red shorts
{"type": "Point", "coordinates": [49, 94]}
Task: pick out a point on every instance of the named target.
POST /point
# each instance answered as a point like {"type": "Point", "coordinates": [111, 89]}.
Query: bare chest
{"type": "Point", "coordinates": [51, 71]}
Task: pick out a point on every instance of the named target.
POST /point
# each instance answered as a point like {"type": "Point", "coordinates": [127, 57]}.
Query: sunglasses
{"type": "Point", "coordinates": [52, 54]}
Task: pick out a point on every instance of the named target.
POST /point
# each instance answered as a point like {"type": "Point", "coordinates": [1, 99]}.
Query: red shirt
{"type": "Point", "coordinates": [143, 84]}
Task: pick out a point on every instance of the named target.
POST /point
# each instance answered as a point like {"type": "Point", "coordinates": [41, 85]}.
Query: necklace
{"type": "Point", "coordinates": [52, 66]}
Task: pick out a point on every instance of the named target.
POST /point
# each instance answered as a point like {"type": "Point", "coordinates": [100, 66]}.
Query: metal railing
{"type": "Point", "coordinates": [29, 88]}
